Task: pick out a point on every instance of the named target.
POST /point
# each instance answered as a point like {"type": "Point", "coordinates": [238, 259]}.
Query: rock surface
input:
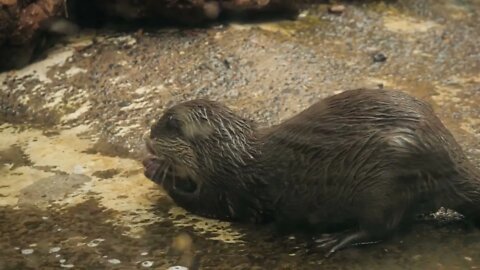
{"type": "Point", "coordinates": [20, 29]}
{"type": "Point", "coordinates": [24, 24]}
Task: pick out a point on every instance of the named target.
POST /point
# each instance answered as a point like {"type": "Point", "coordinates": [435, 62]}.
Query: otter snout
{"type": "Point", "coordinates": [151, 169]}
{"type": "Point", "coordinates": [149, 145]}
{"type": "Point", "coordinates": [152, 163]}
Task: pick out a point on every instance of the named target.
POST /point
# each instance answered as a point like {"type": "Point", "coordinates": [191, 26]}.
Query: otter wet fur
{"type": "Point", "coordinates": [365, 157]}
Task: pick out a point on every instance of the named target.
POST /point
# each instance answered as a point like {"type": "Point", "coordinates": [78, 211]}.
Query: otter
{"type": "Point", "coordinates": [370, 158]}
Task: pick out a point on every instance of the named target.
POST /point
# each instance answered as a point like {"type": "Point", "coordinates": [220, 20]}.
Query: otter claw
{"type": "Point", "coordinates": [326, 241]}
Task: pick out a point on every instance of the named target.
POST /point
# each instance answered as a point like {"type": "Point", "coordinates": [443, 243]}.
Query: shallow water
{"type": "Point", "coordinates": [72, 193]}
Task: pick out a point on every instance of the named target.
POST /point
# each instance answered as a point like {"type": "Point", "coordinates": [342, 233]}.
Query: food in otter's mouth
{"type": "Point", "coordinates": [158, 169]}
{"type": "Point", "coordinates": [366, 158]}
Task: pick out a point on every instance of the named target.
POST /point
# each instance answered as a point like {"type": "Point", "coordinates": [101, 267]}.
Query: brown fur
{"type": "Point", "coordinates": [365, 157]}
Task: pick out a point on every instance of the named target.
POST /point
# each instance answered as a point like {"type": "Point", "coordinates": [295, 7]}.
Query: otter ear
{"type": "Point", "coordinates": [198, 130]}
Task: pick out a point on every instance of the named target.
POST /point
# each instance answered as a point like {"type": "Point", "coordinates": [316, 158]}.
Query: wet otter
{"type": "Point", "coordinates": [371, 157]}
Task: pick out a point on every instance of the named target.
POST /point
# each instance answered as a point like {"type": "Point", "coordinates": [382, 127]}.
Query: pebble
{"type": "Point", "coordinates": [95, 242]}
{"type": "Point", "coordinates": [54, 250]}
{"type": "Point", "coordinates": [67, 265]}
{"type": "Point", "coordinates": [144, 253]}
{"type": "Point", "coordinates": [62, 261]}
{"type": "Point", "coordinates": [379, 57]}
{"type": "Point", "coordinates": [177, 267]}
{"type": "Point", "coordinates": [27, 251]}
{"type": "Point", "coordinates": [147, 264]}
{"type": "Point", "coordinates": [336, 9]}
{"type": "Point", "coordinates": [303, 14]}
{"type": "Point", "coordinates": [114, 261]}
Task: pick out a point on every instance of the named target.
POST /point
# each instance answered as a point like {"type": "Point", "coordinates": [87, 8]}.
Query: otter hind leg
{"type": "Point", "coordinates": [378, 221]}
{"type": "Point", "coordinates": [368, 234]}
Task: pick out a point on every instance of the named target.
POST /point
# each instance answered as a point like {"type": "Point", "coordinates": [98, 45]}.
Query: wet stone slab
{"type": "Point", "coordinates": [72, 193]}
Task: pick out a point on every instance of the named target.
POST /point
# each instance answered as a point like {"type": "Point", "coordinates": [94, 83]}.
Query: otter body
{"type": "Point", "coordinates": [370, 158]}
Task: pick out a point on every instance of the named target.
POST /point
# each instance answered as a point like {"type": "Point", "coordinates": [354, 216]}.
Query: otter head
{"type": "Point", "coordinates": [198, 149]}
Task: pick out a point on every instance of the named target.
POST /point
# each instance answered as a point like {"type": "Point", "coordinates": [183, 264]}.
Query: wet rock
{"type": "Point", "coordinates": [106, 173]}
{"type": "Point", "coordinates": [21, 27]}
{"type": "Point", "coordinates": [51, 188]}
{"type": "Point", "coordinates": [147, 264]}
{"type": "Point", "coordinates": [114, 261]}
{"type": "Point", "coordinates": [177, 267]}
{"type": "Point", "coordinates": [27, 251]}
{"type": "Point", "coordinates": [95, 242]}
{"type": "Point", "coordinates": [15, 156]}
{"type": "Point", "coordinates": [54, 250]}
{"type": "Point", "coordinates": [336, 9]}
{"type": "Point", "coordinates": [379, 57]}
{"type": "Point", "coordinates": [23, 24]}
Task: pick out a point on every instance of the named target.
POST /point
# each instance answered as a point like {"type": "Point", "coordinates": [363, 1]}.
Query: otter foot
{"type": "Point", "coordinates": [339, 241]}
{"type": "Point", "coordinates": [327, 240]}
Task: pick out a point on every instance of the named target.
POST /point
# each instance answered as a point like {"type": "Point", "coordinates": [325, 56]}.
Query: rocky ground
{"type": "Point", "coordinates": [28, 27]}
{"type": "Point", "coordinates": [72, 193]}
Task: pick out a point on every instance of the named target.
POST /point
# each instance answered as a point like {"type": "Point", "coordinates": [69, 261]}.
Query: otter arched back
{"type": "Point", "coordinates": [365, 157]}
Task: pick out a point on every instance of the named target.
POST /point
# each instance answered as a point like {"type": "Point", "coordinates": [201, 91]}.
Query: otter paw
{"type": "Point", "coordinates": [326, 241]}
{"type": "Point", "coordinates": [337, 242]}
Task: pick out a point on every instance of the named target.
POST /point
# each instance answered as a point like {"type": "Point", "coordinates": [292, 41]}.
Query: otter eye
{"type": "Point", "coordinates": [173, 123]}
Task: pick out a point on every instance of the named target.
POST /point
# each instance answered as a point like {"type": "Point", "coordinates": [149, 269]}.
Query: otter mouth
{"type": "Point", "coordinates": [158, 169]}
